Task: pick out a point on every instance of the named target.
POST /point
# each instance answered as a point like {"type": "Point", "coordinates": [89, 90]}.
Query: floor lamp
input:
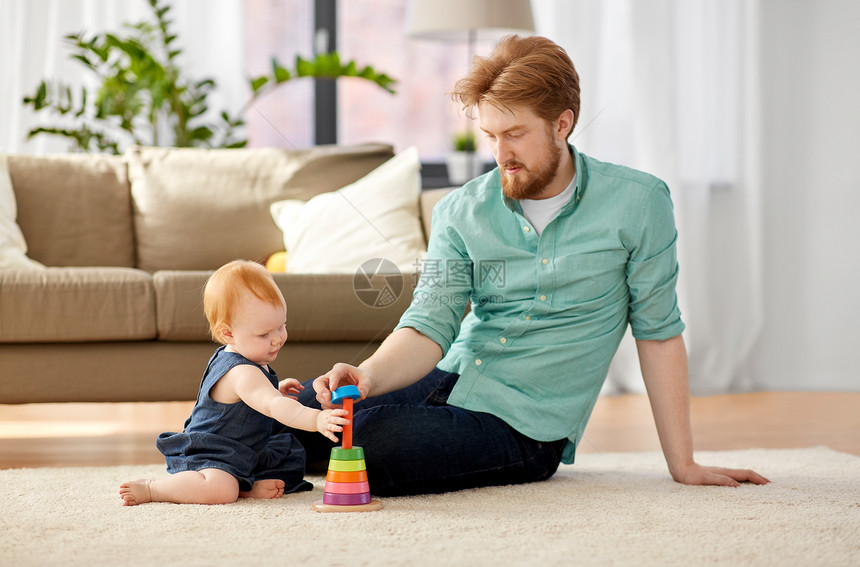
{"type": "Point", "coordinates": [467, 20]}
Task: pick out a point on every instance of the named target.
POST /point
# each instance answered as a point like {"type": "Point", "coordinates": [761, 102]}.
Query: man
{"type": "Point", "coordinates": [556, 253]}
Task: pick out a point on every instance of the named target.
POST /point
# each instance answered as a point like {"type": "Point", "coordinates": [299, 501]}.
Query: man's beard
{"type": "Point", "coordinates": [532, 184]}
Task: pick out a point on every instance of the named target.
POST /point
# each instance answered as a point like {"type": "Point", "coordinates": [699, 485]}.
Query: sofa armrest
{"type": "Point", "coordinates": [427, 200]}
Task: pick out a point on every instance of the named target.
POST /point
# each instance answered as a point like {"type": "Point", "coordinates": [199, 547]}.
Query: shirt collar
{"type": "Point", "coordinates": [580, 177]}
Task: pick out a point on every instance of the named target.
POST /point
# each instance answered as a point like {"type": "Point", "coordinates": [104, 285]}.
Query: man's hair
{"type": "Point", "coordinates": [225, 288]}
{"type": "Point", "coordinates": [522, 71]}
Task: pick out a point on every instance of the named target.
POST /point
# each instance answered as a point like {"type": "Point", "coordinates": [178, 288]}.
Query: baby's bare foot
{"type": "Point", "coordinates": [266, 489]}
{"type": "Point", "coordinates": [135, 492]}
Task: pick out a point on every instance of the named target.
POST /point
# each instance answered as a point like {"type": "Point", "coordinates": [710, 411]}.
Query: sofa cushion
{"type": "Point", "coordinates": [374, 217]}
{"type": "Point", "coordinates": [74, 210]}
{"type": "Point", "coordinates": [76, 304]}
{"type": "Point", "coordinates": [179, 305]}
{"type": "Point", "coordinates": [198, 209]}
{"type": "Point", "coordinates": [319, 307]}
{"type": "Point", "coordinates": [13, 247]}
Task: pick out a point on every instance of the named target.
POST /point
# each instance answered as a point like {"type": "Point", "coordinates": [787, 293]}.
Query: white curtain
{"type": "Point", "coordinates": [32, 48]}
{"type": "Point", "coordinates": [669, 87]}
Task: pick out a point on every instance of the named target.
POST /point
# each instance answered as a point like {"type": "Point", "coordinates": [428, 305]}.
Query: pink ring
{"type": "Point", "coordinates": [347, 487]}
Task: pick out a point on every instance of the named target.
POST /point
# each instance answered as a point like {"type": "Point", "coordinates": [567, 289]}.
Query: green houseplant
{"type": "Point", "coordinates": [464, 141]}
{"type": "Point", "coordinates": [463, 162]}
{"type": "Point", "coordinates": [144, 98]}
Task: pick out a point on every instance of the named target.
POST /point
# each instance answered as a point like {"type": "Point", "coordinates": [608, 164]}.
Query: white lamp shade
{"type": "Point", "coordinates": [453, 20]}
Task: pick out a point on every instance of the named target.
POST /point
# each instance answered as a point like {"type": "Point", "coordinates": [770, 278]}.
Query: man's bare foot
{"type": "Point", "coordinates": [135, 492]}
{"type": "Point", "coordinates": [265, 489]}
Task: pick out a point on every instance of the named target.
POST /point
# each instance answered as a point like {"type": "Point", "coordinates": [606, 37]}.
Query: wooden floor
{"type": "Point", "coordinates": [55, 435]}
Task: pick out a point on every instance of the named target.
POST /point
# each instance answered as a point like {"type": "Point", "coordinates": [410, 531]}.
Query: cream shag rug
{"type": "Point", "coordinates": [607, 509]}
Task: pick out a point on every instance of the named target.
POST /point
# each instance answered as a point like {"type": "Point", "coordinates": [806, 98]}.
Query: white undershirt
{"type": "Point", "coordinates": [540, 212]}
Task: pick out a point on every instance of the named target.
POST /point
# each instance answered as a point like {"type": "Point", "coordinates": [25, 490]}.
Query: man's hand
{"type": "Point", "coordinates": [341, 375]}
{"type": "Point", "coordinates": [404, 357]}
{"type": "Point", "coordinates": [701, 475]}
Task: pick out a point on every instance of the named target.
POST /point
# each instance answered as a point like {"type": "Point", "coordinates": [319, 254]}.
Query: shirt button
{"type": "Point", "coordinates": [543, 298]}
{"type": "Point", "coordinates": [477, 362]}
{"type": "Point", "coordinates": [545, 261]}
{"type": "Point", "coordinates": [526, 229]}
{"type": "Point", "coordinates": [528, 317]}
{"type": "Point", "coordinates": [503, 340]}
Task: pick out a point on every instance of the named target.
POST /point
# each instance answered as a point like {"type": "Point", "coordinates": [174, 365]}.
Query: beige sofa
{"type": "Point", "coordinates": [128, 242]}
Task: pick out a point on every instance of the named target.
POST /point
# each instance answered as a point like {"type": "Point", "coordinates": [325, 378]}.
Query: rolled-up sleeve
{"type": "Point", "coordinates": [652, 269]}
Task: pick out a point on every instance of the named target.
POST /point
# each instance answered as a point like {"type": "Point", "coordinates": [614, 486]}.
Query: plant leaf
{"type": "Point", "coordinates": [279, 72]}
{"type": "Point", "coordinates": [258, 83]}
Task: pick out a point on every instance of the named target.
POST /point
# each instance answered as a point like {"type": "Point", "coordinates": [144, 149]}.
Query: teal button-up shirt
{"type": "Point", "coordinates": [547, 311]}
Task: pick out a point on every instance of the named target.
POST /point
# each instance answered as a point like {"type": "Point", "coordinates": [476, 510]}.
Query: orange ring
{"type": "Point", "coordinates": [347, 488]}
{"type": "Point", "coordinates": [346, 476]}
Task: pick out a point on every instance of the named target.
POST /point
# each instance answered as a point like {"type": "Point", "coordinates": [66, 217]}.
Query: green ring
{"type": "Point", "coordinates": [341, 454]}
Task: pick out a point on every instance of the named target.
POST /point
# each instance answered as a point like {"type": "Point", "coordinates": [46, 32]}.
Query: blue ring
{"type": "Point", "coordinates": [349, 391]}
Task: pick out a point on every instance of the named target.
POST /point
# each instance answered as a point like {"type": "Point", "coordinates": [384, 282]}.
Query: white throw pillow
{"type": "Point", "coordinates": [374, 217]}
{"type": "Point", "coordinates": [13, 247]}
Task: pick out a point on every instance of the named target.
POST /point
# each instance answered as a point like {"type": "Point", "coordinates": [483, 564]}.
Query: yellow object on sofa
{"type": "Point", "coordinates": [277, 262]}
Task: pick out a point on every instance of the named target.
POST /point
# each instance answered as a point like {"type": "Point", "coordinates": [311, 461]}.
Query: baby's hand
{"type": "Point", "coordinates": [331, 421]}
{"type": "Point", "coordinates": [290, 387]}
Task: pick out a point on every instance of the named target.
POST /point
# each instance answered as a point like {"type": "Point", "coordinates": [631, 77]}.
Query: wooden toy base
{"type": "Point", "coordinates": [320, 506]}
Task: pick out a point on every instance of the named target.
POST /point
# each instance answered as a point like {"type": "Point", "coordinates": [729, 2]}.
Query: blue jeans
{"type": "Point", "coordinates": [415, 443]}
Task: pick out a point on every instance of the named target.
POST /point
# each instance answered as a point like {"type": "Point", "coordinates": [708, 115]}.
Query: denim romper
{"type": "Point", "coordinates": [234, 437]}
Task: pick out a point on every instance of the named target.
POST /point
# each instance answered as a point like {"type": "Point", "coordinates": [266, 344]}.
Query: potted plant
{"type": "Point", "coordinates": [463, 162]}
{"type": "Point", "coordinates": [144, 98]}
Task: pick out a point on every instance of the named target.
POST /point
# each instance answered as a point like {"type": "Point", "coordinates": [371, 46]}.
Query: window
{"type": "Point", "coordinates": [371, 32]}
{"type": "Point", "coordinates": [284, 117]}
